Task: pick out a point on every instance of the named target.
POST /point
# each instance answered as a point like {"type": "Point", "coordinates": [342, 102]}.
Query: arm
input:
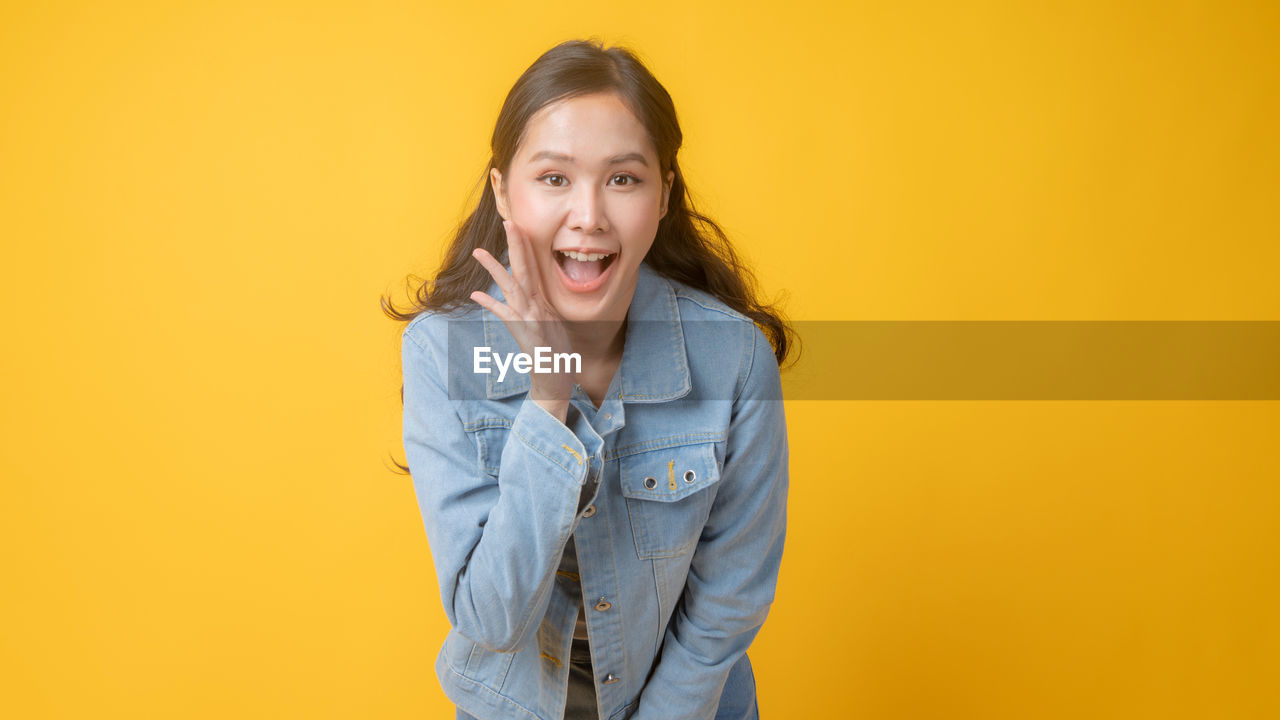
{"type": "Point", "coordinates": [734, 570]}
{"type": "Point", "coordinates": [496, 544]}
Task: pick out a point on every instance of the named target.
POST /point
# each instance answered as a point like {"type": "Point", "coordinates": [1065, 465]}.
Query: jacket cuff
{"type": "Point", "coordinates": [543, 433]}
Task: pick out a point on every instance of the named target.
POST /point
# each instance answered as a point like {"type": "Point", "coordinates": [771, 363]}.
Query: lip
{"type": "Point", "coordinates": [584, 249]}
{"type": "Point", "coordinates": [592, 286]}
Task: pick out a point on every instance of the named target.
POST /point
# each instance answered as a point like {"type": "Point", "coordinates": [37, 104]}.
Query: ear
{"type": "Point", "coordinates": [499, 194]}
{"type": "Point", "coordinates": [666, 192]}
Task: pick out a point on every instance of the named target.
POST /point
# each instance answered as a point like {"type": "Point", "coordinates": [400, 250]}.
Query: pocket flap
{"type": "Point", "coordinates": [669, 474]}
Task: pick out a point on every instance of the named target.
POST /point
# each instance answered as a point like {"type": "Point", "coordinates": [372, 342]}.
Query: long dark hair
{"type": "Point", "coordinates": [689, 247]}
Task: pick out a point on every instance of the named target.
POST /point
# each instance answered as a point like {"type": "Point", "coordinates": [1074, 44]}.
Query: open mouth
{"type": "Point", "coordinates": [583, 271]}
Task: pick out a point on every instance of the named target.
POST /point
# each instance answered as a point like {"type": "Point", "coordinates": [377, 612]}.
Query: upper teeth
{"type": "Point", "coordinates": [584, 257]}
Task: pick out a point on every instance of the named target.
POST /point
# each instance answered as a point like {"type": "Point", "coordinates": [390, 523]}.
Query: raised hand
{"type": "Point", "coordinates": [529, 316]}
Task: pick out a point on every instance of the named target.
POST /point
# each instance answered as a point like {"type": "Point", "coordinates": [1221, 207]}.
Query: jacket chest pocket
{"type": "Point", "coordinates": [668, 497]}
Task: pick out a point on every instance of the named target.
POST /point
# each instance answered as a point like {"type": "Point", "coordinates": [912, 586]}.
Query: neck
{"type": "Point", "coordinates": [598, 340]}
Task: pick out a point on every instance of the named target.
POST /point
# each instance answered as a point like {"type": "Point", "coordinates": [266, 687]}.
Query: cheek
{"type": "Point", "coordinates": [537, 217]}
{"type": "Point", "coordinates": [640, 219]}
{"type": "Point", "coordinates": [532, 208]}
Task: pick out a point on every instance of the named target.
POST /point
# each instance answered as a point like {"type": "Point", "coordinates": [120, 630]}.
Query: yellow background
{"type": "Point", "coordinates": [200, 204]}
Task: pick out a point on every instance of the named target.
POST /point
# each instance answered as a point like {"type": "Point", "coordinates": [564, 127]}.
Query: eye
{"type": "Point", "coordinates": [632, 179]}
{"type": "Point", "coordinates": [553, 175]}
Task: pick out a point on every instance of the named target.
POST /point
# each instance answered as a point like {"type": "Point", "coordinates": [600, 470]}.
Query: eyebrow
{"type": "Point", "coordinates": [615, 160]}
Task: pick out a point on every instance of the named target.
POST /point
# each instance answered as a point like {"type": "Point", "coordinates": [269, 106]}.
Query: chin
{"type": "Point", "coordinates": [578, 312]}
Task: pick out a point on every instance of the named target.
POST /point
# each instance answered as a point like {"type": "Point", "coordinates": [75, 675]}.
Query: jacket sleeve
{"type": "Point", "coordinates": [734, 570]}
{"type": "Point", "coordinates": [496, 543]}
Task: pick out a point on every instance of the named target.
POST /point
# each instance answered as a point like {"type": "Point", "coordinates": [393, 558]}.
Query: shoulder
{"type": "Point", "coordinates": [727, 340]}
{"type": "Point", "coordinates": [432, 324]}
{"type": "Point", "coordinates": [699, 306]}
{"type": "Point", "coordinates": [428, 334]}
{"type": "Point", "coordinates": [702, 305]}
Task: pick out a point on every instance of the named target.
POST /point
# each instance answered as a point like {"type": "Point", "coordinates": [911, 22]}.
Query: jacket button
{"type": "Point", "coordinates": [651, 482]}
{"type": "Point", "coordinates": [690, 476]}
{"type": "Point", "coordinates": [610, 678]}
{"type": "Point", "coordinates": [591, 510]}
{"type": "Point", "coordinates": [603, 605]}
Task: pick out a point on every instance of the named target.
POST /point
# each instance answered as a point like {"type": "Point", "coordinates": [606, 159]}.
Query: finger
{"type": "Point", "coordinates": [531, 263]}
{"type": "Point", "coordinates": [511, 290]}
{"type": "Point", "coordinates": [504, 313]}
{"type": "Point", "coordinates": [520, 253]}
{"type": "Point", "coordinates": [516, 325]}
{"type": "Point", "coordinates": [533, 266]}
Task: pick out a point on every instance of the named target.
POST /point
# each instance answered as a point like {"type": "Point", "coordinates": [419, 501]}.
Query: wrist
{"type": "Point", "coordinates": [559, 409]}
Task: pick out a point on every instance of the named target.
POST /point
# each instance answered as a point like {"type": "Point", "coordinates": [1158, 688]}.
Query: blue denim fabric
{"type": "Point", "coordinates": [674, 491]}
{"type": "Point", "coordinates": [737, 701]}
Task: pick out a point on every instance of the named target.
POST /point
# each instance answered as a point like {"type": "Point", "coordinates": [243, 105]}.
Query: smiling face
{"type": "Point", "coordinates": [585, 187]}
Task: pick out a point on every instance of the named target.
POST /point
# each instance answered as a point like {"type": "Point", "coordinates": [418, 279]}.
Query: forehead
{"type": "Point", "coordinates": [590, 128]}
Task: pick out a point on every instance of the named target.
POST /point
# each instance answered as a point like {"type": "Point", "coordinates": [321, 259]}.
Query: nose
{"type": "Point", "coordinates": [587, 212]}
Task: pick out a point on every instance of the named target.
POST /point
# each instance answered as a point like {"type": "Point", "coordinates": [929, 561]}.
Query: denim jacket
{"type": "Point", "coordinates": [674, 491]}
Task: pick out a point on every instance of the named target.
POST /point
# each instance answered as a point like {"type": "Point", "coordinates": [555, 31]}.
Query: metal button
{"type": "Point", "coordinates": [608, 416]}
{"type": "Point", "coordinates": [690, 476]}
{"type": "Point", "coordinates": [610, 678]}
{"type": "Point", "coordinates": [603, 604]}
{"type": "Point", "coordinates": [651, 482]}
{"type": "Point", "coordinates": [591, 510]}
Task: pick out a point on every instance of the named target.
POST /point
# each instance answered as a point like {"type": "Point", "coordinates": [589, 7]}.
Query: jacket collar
{"type": "Point", "coordinates": [655, 365]}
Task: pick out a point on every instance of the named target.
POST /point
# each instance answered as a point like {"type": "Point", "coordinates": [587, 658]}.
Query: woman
{"type": "Point", "coordinates": [606, 535]}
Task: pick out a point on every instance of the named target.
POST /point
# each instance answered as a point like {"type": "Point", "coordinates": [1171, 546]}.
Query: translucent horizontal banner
{"type": "Point", "coordinates": [925, 360]}
{"type": "Point", "coordinates": [1036, 360]}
